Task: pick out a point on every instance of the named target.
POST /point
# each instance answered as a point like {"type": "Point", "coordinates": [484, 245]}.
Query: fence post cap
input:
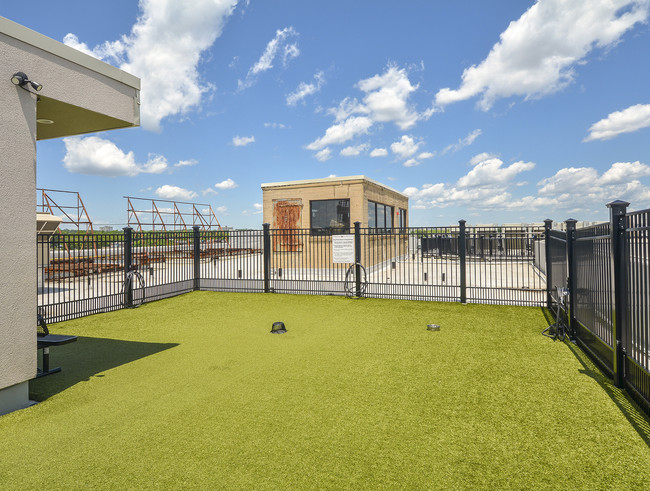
{"type": "Point", "coordinates": [618, 203]}
{"type": "Point", "coordinates": [571, 220]}
{"type": "Point", "coordinates": [548, 221]}
{"type": "Point", "coordinates": [127, 228]}
{"type": "Point", "coordinates": [462, 222]}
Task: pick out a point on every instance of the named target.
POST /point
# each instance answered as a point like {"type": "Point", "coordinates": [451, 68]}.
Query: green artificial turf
{"type": "Point", "coordinates": [195, 392]}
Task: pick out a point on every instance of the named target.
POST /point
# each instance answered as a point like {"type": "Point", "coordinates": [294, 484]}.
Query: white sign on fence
{"type": "Point", "coordinates": [342, 249]}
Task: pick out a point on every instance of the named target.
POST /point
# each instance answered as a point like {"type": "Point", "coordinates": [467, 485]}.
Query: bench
{"type": "Point", "coordinates": [44, 341]}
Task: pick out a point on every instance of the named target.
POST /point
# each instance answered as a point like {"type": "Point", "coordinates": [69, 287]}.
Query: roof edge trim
{"type": "Point", "coordinates": [40, 41]}
{"type": "Point", "coordinates": [329, 180]}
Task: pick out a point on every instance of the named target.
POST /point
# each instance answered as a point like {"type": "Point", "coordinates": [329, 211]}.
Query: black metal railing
{"type": "Point", "coordinates": [501, 268]}
{"type": "Point", "coordinates": [605, 267]}
{"type": "Point", "coordinates": [607, 270]}
{"type": "Point", "coordinates": [591, 309]}
{"type": "Point", "coordinates": [232, 261]}
{"type": "Point", "coordinates": [85, 274]}
{"type": "Point", "coordinates": [79, 274]}
{"type": "Point", "coordinates": [636, 341]}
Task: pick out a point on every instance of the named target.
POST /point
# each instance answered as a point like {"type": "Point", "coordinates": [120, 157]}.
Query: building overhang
{"type": "Point", "coordinates": [80, 94]}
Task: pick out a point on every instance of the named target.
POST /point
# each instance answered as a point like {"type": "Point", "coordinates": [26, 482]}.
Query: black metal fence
{"type": "Point", "coordinates": [606, 268]}
{"type": "Point", "coordinates": [82, 274]}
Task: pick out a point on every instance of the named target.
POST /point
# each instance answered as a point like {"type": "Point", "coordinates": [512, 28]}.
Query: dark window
{"type": "Point", "coordinates": [372, 214]}
{"type": "Point", "coordinates": [330, 216]}
{"type": "Point", "coordinates": [380, 217]}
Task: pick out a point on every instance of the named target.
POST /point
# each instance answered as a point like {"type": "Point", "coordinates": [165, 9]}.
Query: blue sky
{"type": "Point", "coordinates": [495, 112]}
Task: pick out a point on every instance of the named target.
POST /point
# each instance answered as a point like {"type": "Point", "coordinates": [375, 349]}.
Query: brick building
{"type": "Point", "coordinates": [333, 204]}
{"type": "Point", "coordinates": [305, 214]}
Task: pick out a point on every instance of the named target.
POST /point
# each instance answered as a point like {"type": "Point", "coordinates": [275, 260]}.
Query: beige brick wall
{"type": "Point", "coordinates": [357, 191]}
{"type": "Point", "coordinates": [315, 251]}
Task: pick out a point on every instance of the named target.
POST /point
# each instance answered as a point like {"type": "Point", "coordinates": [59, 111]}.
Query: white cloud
{"type": "Point", "coordinates": [209, 191]}
{"type": "Point", "coordinates": [531, 203]}
{"type": "Point", "coordinates": [462, 142]}
{"type": "Point", "coordinates": [164, 49]}
{"type": "Point", "coordinates": [621, 172]}
{"type": "Point", "coordinates": [386, 100]}
{"type": "Point", "coordinates": [491, 171]}
{"type": "Point", "coordinates": [258, 208]}
{"type": "Point", "coordinates": [291, 51]}
{"type": "Point", "coordinates": [242, 141]}
{"type": "Point", "coordinates": [626, 121]}
{"type": "Point", "coordinates": [227, 184]}
{"type": "Point", "coordinates": [477, 159]}
{"type": "Point", "coordinates": [96, 156]}
{"type": "Point", "coordinates": [303, 90]}
{"type": "Point", "coordinates": [411, 163]}
{"type": "Point", "coordinates": [379, 152]}
{"type": "Point", "coordinates": [222, 210]}
{"type": "Point", "coordinates": [175, 193]}
{"type": "Point", "coordinates": [584, 184]}
{"type": "Point", "coordinates": [354, 151]}
{"type": "Point", "coordinates": [406, 147]}
{"type": "Point", "coordinates": [536, 54]}
{"type": "Point", "coordinates": [186, 163]}
{"type": "Point", "coordinates": [484, 187]}
{"type": "Point", "coordinates": [562, 191]}
{"type": "Point", "coordinates": [323, 155]}
{"type": "Point", "coordinates": [340, 133]}
{"type": "Point", "coordinates": [274, 125]}
{"type": "Point", "coordinates": [279, 44]}
{"type": "Point", "coordinates": [387, 97]}
{"type": "Point", "coordinates": [488, 186]}
{"type": "Point", "coordinates": [155, 164]}
{"type": "Point", "coordinates": [346, 108]}
{"type": "Point", "coordinates": [568, 180]}
{"type": "Point", "coordinates": [426, 155]}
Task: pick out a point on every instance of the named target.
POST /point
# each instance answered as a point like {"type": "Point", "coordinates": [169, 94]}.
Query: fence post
{"type": "Point", "coordinates": [197, 256]}
{"type": "Point", "coordinates": [618, 262]}
{"type": "Point", "coordinates": [128, 260]}
{"type": "Point", "coordinates": [548, 225]}
{"type": "Point", "coordinates": [462, 250]}
{"type": "Point", "coordinates": [267, 257]}
{"type": "Point", "coordinates": [357, 257]}
{"type": "Point", "coordinates": [571, 275]}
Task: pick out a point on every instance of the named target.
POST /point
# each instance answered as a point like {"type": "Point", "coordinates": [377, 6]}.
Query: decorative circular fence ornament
{"type": "Point", "coordinates": [278, 328]}
{"type": "Point", "coordinates": [433, 327]}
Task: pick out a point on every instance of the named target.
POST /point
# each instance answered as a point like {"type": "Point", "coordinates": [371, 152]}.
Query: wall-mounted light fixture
{"type": "Point", "coordinates": [21, 80]}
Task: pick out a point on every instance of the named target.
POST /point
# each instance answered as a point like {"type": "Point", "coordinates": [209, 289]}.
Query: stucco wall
{"type": "Point", "coordinates": [68, 82]}
{"type": "Point", "coordinates": [17, 234]}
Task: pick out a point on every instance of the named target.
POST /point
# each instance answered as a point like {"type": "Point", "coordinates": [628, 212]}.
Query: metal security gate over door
{"type": "Point", "coordinates": [287, 220]}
